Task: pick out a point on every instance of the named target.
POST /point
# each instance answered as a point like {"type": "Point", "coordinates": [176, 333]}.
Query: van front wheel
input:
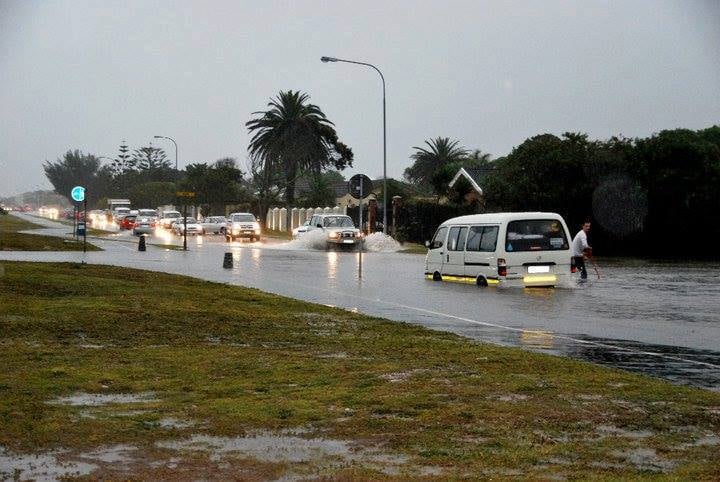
{"type": "Point", "coordinates": [436, 276]}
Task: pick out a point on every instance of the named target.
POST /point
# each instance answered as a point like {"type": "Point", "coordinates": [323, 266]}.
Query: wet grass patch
{"type": "Point", "coordinates": [12, 240]}
{"type": "Point", "coordinates": [198, 375]}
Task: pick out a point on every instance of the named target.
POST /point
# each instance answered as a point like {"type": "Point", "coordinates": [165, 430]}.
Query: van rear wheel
{"type": "Point", "coordinates": [481, 281]}
{"type": "Point", "coordinates": [436, 276]}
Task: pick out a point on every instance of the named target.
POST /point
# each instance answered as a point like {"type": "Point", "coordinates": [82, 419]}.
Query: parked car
{"type": "Point", "coordinates": [242, 225]}
{"type": "Point", "coordinates": [214, 224]}
{"type": "Point", "coordinates": [167, 218]}
{"type": "Point", "coordinates": [144, 225]}
{"type": "Point", "coordinates": [127, 222]}
{"type": "Point", "coordinates": [338, 228]}
{"type": "Point", "coordinates": [193, 226]}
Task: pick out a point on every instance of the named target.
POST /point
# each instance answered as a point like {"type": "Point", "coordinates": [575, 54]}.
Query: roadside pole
{"type": "Point", "coordinates": [357, 185]}
{"type": "Point", "coordinates": [185, 226]}
{"type": "Point", "coordinates": [85, 223]}
{"type": "Point", "coordinates": [360, 248]}
{"type": "Point", "coordinates": [75, 215]}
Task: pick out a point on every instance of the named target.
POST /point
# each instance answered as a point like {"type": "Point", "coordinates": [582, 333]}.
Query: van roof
{"type": "Point", "coordinates": [331, 214]}
{"type": "Point", "coordinates": [498, 218]}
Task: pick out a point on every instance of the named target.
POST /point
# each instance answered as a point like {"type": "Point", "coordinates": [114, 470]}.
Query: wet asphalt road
{"type": "Point", "coordinates": [655, 318]}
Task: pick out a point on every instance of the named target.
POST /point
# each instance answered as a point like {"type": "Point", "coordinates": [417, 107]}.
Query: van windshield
{"type": "Point", "coordinates": [536, 235]}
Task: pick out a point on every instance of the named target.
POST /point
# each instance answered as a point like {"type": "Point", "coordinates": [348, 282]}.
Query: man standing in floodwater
{"type": "Point", "coordinates": [580, 248]}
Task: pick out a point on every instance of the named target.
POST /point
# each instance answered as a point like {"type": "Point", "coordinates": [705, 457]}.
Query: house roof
{"type": "Point", "coordinates": [475, 176]}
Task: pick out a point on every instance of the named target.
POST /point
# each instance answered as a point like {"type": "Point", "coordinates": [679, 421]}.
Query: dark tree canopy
{"type": "Point", "coordinates": [293, 137]}
{"type": "Point", "coordinates": [78, 169]}
{"type": "Point", "coordinates": [439, 152]}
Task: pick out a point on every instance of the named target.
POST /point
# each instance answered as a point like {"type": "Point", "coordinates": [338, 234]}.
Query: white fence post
{"type": "Point", "coordinates": [276, 219]}
{"type": "Point", "coordinates": [282, 225]}
{"type": "Point", "coordinates": [294, 218]}
{"type": "Point", "coordinates": [268, 219]}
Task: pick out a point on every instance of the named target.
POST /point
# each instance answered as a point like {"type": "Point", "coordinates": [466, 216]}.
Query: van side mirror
{"type": "Point", "coordinates": [427, 244]}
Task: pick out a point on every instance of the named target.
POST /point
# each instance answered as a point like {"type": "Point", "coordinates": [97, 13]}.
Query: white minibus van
{"type": "Point", "coordinates": [528, 249]}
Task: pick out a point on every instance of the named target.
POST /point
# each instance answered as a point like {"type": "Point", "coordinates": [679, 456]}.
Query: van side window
{"type": "Point", "coordinates": [489, 239]}
{"type": "Point", "coordinates": [456, 239]}
{"type": "Point", "coordinates": [439, 238]}
{"type": "Point", "coordinates": [482, 238]}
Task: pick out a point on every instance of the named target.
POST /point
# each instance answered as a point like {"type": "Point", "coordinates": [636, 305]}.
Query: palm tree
{"type": "Point", "coordinates": [440, 152]}
{"type": "Point", "coordinates": [294, 136]}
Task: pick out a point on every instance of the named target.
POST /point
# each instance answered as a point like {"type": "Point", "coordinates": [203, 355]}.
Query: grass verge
{"type": "Point", "coordinates": [270, 233]}
{"type": "Point", "coordinates": [12, 240]}
{"type": "Point", "coordinates": [220, 369]}
{"type": "Point", "coordinates": [413, 248]}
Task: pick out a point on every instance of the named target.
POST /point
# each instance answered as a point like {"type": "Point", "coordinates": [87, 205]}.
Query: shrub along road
{"type": "Point", "coordinates": [136, 373]}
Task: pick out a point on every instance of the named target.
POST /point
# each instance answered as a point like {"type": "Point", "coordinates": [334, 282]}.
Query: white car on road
{"type": "Point", "coordinates": [242, 225]}
{"type": "Point", "coordinates": [193, 226]}
{"type": "Point", "coordinates": [339, 229]}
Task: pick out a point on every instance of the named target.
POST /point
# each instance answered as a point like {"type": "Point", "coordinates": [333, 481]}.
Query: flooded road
{"type": "Point", "coordinates": [661, 319]}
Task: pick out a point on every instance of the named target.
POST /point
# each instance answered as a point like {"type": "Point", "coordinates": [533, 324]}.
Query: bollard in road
{"type": "Point", "coordinates": [228, 260]}
{"type": "Point", "coordinates": [141, 243]}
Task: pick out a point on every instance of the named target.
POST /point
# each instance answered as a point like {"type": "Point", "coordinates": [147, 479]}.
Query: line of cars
{"type": "Point", "coordinates": [148, 221]}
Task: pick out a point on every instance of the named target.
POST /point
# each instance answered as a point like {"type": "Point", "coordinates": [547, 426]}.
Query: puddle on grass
{"type": "Point", "coordinates": [264, 447]}
{"type": "Point", "coordinates": [610, 430]}
{"type": "Point", "coordinates": [83, 399]}
{"type": "Point", "coordinates": [645, 459]}
{"type": "Point", "coordinates": [705, 441]}
{"type": "Point", "coordinates": [40, 467]}
{"type": "Point", "coordinates": [170, 422]}
{"type": "Point", "coordinates": [111, 455]}
{"type": "Point", "coordinates": [509, 397]}
{"type": "Point", "coordinates": [287, 447]}
{"type": "Point", "coordinates": [397, 377]}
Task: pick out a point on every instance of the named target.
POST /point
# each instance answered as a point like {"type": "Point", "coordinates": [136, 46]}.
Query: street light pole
{"type": "Point", "coordinates": [176, 150]}
{"type": "Point", "coordinates": [382, 77]}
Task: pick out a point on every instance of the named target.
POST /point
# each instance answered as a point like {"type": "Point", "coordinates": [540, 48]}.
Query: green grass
{"type": "Point", "coordinates": [413, 248]}
{"type": "Point", "coordinates": [270, 233]}
{"type": "Point", "coordinates": [12, 240]}
{"type": "Point", "coordinates": [235, 360]}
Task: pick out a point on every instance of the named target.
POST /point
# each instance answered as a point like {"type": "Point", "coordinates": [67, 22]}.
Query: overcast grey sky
{"type": "Point", "coordinates": [87, 74]}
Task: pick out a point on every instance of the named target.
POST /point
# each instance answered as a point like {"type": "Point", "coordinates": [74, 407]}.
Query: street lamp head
{"type": "Point", "coordinates": [328, 59]}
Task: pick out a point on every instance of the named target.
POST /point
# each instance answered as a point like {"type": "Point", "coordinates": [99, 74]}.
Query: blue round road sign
{"type": "Point", "coordinates": [78, 193]}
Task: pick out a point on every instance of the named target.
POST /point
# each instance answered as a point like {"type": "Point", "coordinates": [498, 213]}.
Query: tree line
{"type": "Point", "coordinates": [640, 193]}
{"type": "Point", "coordinates": [654, 196]}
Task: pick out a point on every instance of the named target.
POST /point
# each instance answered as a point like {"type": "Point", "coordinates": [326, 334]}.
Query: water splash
{"type": "Point", "coordinates": [381, 243]}
{"type": "Point", "coordinates": [312, 240]}
{"type": "Point", "coordinates": [316, 240]}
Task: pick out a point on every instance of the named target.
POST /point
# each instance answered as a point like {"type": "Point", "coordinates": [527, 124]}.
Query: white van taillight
{"type": "Point", "coordinates": [573, 267]}
{"type": "Point", "coordinates": [502, 267]}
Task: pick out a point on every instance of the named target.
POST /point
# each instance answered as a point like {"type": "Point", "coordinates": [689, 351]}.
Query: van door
{"type": "Point", "coordinates": [436, 252]}
{"type": "Point", "coordinates": [480, 256]}
{"type": "Point", "coordinates": [454, 262]}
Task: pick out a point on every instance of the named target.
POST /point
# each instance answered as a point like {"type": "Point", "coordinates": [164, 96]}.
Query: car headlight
{"type": "Point", "coordinates": [335, 235]}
